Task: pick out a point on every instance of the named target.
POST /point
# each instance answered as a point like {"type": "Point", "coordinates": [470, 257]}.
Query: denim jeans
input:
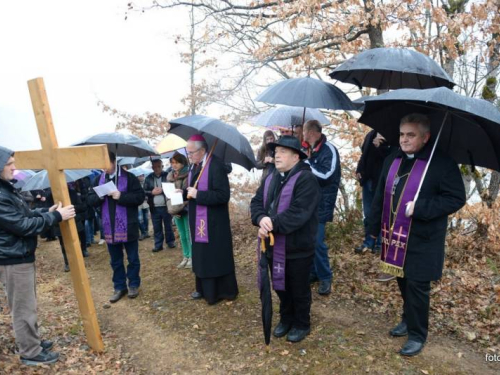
{"type": "Point", "coordinates": [133, 268]}
{"type": "Point", "coordinates": [89, 232]}
{"type": "Point", "coordinates": [368, 195]}
{"type": "Point", "coordinates": [144, 220]}
{"type": "Point", "coordinates": [162, 221]}
{"type": "Point", "coordinates": [321, 265]}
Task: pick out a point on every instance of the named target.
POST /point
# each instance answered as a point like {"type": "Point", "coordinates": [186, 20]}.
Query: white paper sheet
{"type": "Point", "coordinates": [176, 198]}
{"type": "Point", "coordinates": [105, 189]}
{"type": "Point", "coordinates": [168, 189]}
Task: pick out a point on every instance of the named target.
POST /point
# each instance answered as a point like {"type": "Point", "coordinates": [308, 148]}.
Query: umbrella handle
{"type": "Point", "coordinates": [263, 242]}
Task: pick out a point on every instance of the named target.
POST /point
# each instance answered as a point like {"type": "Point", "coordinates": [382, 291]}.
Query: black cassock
{"type": "Point", "coordinates": [213, 262]}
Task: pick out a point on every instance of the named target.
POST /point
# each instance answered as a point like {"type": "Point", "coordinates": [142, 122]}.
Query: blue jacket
{"type": "Point", "coordinates": [325, 165]}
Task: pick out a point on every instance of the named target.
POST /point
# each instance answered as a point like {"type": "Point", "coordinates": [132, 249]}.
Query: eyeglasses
{"type": "Point", "coordinates": [191, 153]}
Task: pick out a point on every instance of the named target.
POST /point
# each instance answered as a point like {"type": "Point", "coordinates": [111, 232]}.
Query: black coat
{"type": "Point", "coordinates": [20, 226]}
{"type": "Point", "coordinates": [149, 185]}
{"type": "Point", "coordinates": [215, 258]}
{"type": "Point", "coordinates": [80, 210]}
{"type": "Point", "coordinates": [131, 199]}
{"type": "Point", "coordinates": [442, 194]}
{"type": "Point", "coordinates": [372, 159]}
{"type": "Point", "coordinates": [300, 221]}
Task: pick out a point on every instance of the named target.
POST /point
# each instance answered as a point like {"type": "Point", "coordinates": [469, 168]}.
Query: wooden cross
{"type": "Point", "coordinates": [55, 159]}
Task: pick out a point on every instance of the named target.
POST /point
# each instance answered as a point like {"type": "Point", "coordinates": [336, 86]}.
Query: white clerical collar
{"type": "Point", "coordinates": [410, 156]}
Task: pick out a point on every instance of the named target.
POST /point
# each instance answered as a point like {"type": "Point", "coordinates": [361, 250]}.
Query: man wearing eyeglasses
{"type": "Point", "coordinates": [414, 231]}
{"type": "Point", "coordinates": [212, 245]}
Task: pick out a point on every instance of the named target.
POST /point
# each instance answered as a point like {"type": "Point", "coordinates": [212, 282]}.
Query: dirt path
{"type": "Point", "coordinates": [164, 332]}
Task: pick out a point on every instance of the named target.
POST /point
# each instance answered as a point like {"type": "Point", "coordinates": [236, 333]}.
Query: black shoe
{"type": "Point", "coordinates": [325, 287]}
{"type": "Point", "coordinates": [196, 295]}
{"type": "Point", "coordinates": [296, 335]}
{"type": "Point", "coordinates": [281, 329]}
{"type": "Point", "coordinates": [85, 254]}
{"type": "Point", "coordinates": [141, 237]}
{"type": "Point", "coordinates": [156, 250]}
{"type": "Point", "coordinates": [45, 357]}
{"type": "Point", "coordinates": [362, 249]}
{"type": "Point", "coordinates": [400, 330]}
{"type": "Point", "coordinates": [66, 268]}
{"type": "Point", "coordinates": [133, 292]}
{"type": "Point", "coordinates": [117, 295]}
{"type": "Point", "coordinates": [46, 344]}
{"type": "Point", "coordinates": [377, 250]}
{"type": "Point", "coordinates": [313, 279]}
{"type": "Point", "coordinates": [411, 348]}
{"type": "Point", "coordinates": [171, 245]}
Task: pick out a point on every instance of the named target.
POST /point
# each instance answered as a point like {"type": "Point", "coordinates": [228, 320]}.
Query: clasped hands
{"type": "Point", "coordinates": [266, 226]}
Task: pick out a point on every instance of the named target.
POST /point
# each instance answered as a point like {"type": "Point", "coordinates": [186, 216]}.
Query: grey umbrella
{"type": "Point", "coordinates": [232, 146]}
{"type": "Point", "coordinates": [467, 129]}
{"type": "Point", "coordinates": [120, 144]}
{"type": "Point", "coordinates": [306, 92]}
{"type": "Point", "coordinates": [391, 69]}
{"type": "Point", "coordinates": [21, 176]}
{"type": "Point", "coordinates": [41, 181]}
{"type": "Point", "coordinates": [288, 117]}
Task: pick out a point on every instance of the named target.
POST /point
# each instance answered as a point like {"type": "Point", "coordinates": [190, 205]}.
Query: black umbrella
{"type": "Point", "coordinates": [467, 129]}
{"type": "Point", "coordinates": [266, 299]}
{"type": "Point", "coordinates": [306, 92]}
{"type": "Point", "coordinates": [231, 145]}
{"type": "Point", "coordinates": [392, 69]}
{"type": "Point", "coordinates": [120, 144]}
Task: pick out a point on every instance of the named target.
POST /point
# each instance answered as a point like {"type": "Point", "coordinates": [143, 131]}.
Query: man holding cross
{"type": "Point", "coordinates": [19, 228]}
{"type": "Point", "coordinates": [413, 232]}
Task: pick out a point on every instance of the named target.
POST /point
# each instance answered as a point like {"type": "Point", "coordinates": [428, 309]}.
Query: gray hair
{"type": "Point", "coordinates": [200, 144]}
{"type": "Point", "coordinates": [417, 118]}
{"type": "Point", "coordinates": [313, 125]}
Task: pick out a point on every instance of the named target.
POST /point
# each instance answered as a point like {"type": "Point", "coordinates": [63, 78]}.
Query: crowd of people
{"type": "Point", "coordinates": [291, 208]}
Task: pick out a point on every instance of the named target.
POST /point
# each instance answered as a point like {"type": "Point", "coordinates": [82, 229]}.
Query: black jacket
{"type": "Point", "coordinates": [372, 159]}
{"type": "Point", "coordinates": [442, 194]}
{"type": "Point", "coordinates": [325, 165]}
{"type": "Point", "coordinates": [131, 199]}
{"type": "Point", "coordinates": [300, 221]}
{"type": "Point", "coordinates": [20, 226]}
{"type": "Point", "coordinates": [149, 185]}
{"type": "Point", "coordinates": [80, 210]}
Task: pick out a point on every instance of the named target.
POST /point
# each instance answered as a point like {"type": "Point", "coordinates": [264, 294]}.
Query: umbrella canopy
{"type": "Point", "coordinates": [120, 144]}
{"type": "Point", "coordinates": [392, 69]}
{"type": "Point", "coordinates": [21, 176]}
{"type": "Point", "coordinates": [170, 143]}
{"type": "Point", "coordinates": [140, 171]}
{"type": "Point", "coordinates": [288, 117]}
{"type": "Point", "coordinates": [41, 181]}
{"type": "Point", "coordinates": [306, 92]}
{"type": "Point", "coordinates": [471, 128]}
{"type": "Point", "coordinates": [127, 160]}
{"type": "Point", "coordinates": [232, 146]}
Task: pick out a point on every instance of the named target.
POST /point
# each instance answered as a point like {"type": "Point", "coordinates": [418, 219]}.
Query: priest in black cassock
{"type": "Point", "coordinates": [212, 245]}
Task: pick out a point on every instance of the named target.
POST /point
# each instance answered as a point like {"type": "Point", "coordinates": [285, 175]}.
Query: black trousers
{"type": "Point", "coordinates": [416, 302]}
{"type": "Point", "coordinates": [295, 301]}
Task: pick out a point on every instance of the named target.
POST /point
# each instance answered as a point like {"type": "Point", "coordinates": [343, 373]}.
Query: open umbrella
{"type": "Point", "coordinates": [231, 145]}
{"type": "Point", "coordinates": [140, 171]}
{"type": "Point", "coordinates": [391, 69]}
{"type": "Point", "coordinates": [170, 143]}
{"type": "Point", "coordinates": [21, 176]}
{"type": "Point", "coordinates": [306, 92]}
{"type": "Point", "coordinates": [120, 144]}
{"type": "Point", "coordinates": [467, 129]}
{"type": "Point", "coordinates": [41, 181]}
{"type": "Point", "coordinates": [288, 117]}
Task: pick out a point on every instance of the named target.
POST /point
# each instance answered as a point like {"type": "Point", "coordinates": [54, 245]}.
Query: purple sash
{"type": "Point", "coordinates": [121, 222]}
{"type": "Point", "coordinates": [279, 250]}
{"type": "Point", "coordinates": [395, 236]}
{"type": "Point", "coordinates": [201, 220]}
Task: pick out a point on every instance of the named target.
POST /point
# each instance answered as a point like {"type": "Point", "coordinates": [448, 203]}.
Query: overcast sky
{"type": "Point", "coordinates": [85, 51]}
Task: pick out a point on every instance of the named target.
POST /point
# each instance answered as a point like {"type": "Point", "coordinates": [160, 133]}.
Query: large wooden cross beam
{"type": "Point", "coordinates": [55, 159]}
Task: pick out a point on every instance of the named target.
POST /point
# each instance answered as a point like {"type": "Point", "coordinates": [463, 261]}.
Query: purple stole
{"type": "Point", "coordinates": [279, 250]}
{"type": "Point", "coordinates": [395, 235]}
{"type": "Point", "coordinates": [121, 222]}
{"type": "Point", "coordinates": [201, 220]}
